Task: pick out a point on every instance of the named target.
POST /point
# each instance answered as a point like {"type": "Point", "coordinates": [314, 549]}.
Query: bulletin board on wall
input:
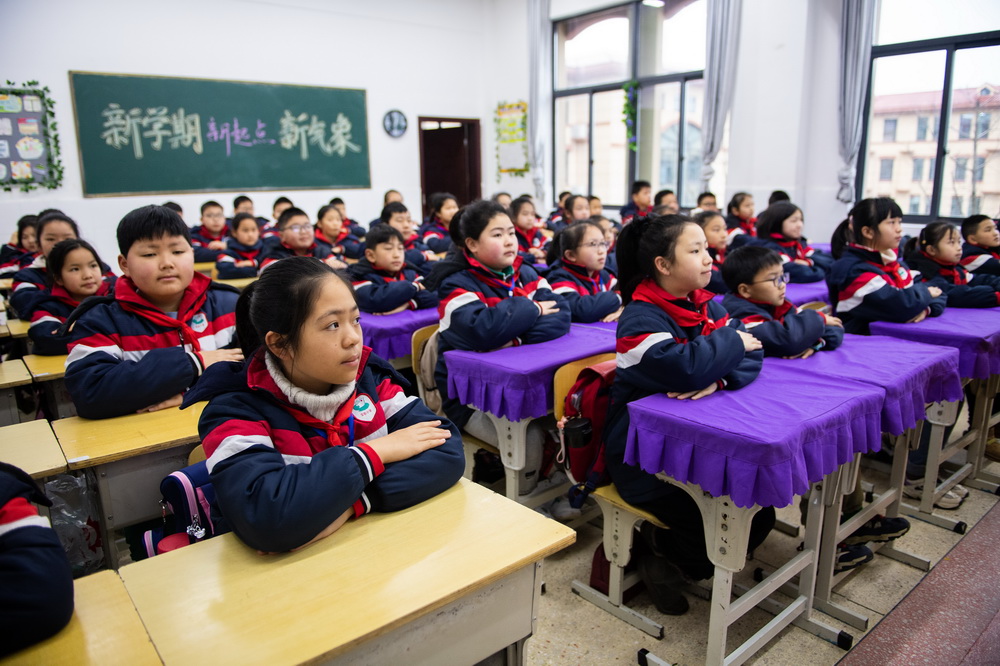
{"type": "Point", "coordinates": [153, 134]}
{"type": "Point", "coordinates": [29, 145]}
{"type": "Point", "coordinates": [512, 138]}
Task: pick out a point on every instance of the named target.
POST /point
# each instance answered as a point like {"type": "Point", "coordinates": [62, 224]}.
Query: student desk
{"type": "Point", "coordinates": [390, 336]}
{"type": "Point", "coordinates": [18, 328]}
{"type": "Point", "coordinates": [514, 385]}
{"type": "Point", "coordinates": [130, 455]}
{"type": "Point", "coordinates": [105, 629]}
{"type": "Point", "coordinates": [33, 447]}
{"type": "Point", "coordinates": [49, 371]}
{"type": "Point", "coordinates": [13, 373]}
{"type": "Point", "coordinates": [239, 283]}
{"type": "Point", "coordinates": [451, 580]}
{"type": "Point", "coordinates": [736, 451]}
{"type": "Point", "coordinates": [6, 284]}
{"type": "Point", "coordinates": [976, 335]}
{"type": "Point", "coordinates": [205, 267]}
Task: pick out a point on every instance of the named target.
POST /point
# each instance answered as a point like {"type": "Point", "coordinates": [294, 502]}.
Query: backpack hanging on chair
{"type": "Point", "coordinates": [582, 429]}
{"type": "Point", "coordinates": [188, 498]}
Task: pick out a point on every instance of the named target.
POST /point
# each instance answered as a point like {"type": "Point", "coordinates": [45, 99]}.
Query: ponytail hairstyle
{"type": "Point", "coordinates": [869, 213]}
{"type": "Point", "coordinates": [57, 257]}
{"type": "Point", "coordinates": [841, 238]}
{"type": "Point", "coordinates": [569, 238]}
{"type": "Point", "coordinates": [735, 203]}
{"type": "Point", "coordinates": [930, 236]}
{"type": "Point", "coordinates": [640, 243]}
{"type": "Point", "coordinates": [438, 200]}
{"type": "Point", "coordinates": [281, 300]}
{"type": "Point", "coordinates": [772, 220]}
{"type": "Point", "coordinates": [470, 221]}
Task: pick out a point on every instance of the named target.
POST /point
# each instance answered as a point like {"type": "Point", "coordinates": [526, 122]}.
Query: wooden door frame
{"type": "Point", "coordinates": [475, 151]}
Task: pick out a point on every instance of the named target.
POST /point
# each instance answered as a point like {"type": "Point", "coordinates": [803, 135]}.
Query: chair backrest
{"type": "Point", "coordinates": [566, 376]}
{"type": "Point", "coordinates": [417, 342]}
{"type": "Point", "coordinates": [819, 306]}
{"type": "Point", "coordinates": [197, 455]}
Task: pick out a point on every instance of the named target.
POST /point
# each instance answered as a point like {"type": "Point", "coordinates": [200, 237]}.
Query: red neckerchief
{"type": "Point", "coordinates": [129, 298]}
{"type": "Point", "coordinates": [952, 272]}
{"type": "Point", "coordinates": [441, 226]}
{"type": "Point", "coordinates": [793, 248]}
{"type": "Point", "coordinates": [749, 227]}
{"type": "Point", "coordinates": [687, 312]}
{"type": "Point", "coordinates": [777, 313]}
{"type": "Point", "coordinates": [489, 277]}
{"type": "Point", "coordinates": [204, 233]}
{"type": "Point", "coordinates": [311, 252]}
{"type": "Point", "coordinates": [891, 269]}
{"type": "Point", "coordinates": [595, 283]}
{"type": "Point", "coordinates": [59, 293]}
{"type": "Point", "coordinates": [408, 243]}
{"type": "Point", "coordinates": [990, 250]}
{"type": "Point", "coordinates": [530, 240]}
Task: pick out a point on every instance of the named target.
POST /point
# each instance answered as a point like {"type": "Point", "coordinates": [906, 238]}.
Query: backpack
{"type": "Point", "coordinates": [187, 495]}
{"type": "Point", "coordinates": [582, 430]}
{"type": "Point", "coordinates": [428, 357]}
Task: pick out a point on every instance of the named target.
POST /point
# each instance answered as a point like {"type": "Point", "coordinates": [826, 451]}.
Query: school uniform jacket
{"type": "Point", "coordinates": [127, 354]}
{"type": "Point", "coordinates": [534, 239]}
{"type": "Point", "coordinates": [556, 221]}
{"type": "Point", "coordinates": [687, 349]}
{"type": "Point", "coordinates": [225, 261]}
{"type": "Point", "coordinates": [480, 312]}
{"type": "Point", "coordinates": [379, 291]}
{"type": "Point", "coordinates": [36, 583]}
{"type": "Point", "coordinates": [349, 244]}
{"type": "Point", "coordinates": [46, 330]}
{"type": "Point", "coordinates": [13, 259]}
{"type": "Point", "coordinates": [784, 330]}
{"type": "Point", "coordinates": [979, 259]}
{"type": "Point", "coordinates": [435, 235]}
{"type": "Point", "coordinates": [963, 290]}
{"type": "Point", "coordinates": [792, 249]}
{"type": "Point", "coordinates": [590, 298]}
{"type": "Point", "coordinates": [631, 211]}
{"type": "Point", "coordinates": [736, 226]}
{"type": "Point", "coordinates": [357, 230]}
{"type": "Point", "coordinates": [281, 476]}
{"type": "Point", "coordinates": [418, 254]}
{"type": "Point", "coordinates": [30, 284]}
{"type": "Point", "coordinates": [282, 251]}
{"type": "Point", "coordinates": [866, 286]}
{"type": "Point", "coordinates": [717, 285]}
{"type": "Point", "coordinates": [201, 237]}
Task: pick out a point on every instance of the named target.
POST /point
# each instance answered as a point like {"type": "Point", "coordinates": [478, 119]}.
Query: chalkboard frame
{"type": "Point", "coordinates": [247, 188]}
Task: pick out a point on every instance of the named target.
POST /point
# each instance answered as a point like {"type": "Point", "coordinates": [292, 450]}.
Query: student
{"type": "Point", "coordinates": [335, 237]}
{"type": "Point", "coordinates": [740, 219]}
{"type": "Point", "coordinates": [174, 206]}
{"type": "Point", "coordinates": [36, 581]}
{"type": "Point", "coordinates": [296, 239]}
{"type": "Point", "coordinates": [596, 207]}
{"type": "Point", "coordinates": [310, 392]}
{"type": "Point", "coordinates": [981, 251]}
{"type": "Point", "coordinates": [22, 248]}
{"type": "Point", "coordinates": [640, 206]}
{"type": "Point", "coordinates": [777, 196]}
{"type": "Point", "coordinates": [779, 228]}
{"type": "Point", "coordinates": [577, 209]}
{"type": "Point", "coordinates": [716, 235]}
{"type": "Point", "coordinates": [384, 283]}
{"type": "Point", "coordinates": [242, 204]}
{"type": "Point", "coordinates": [868, 283]}
{"type": "Point", "coordinates": [577, 272]}
{"type": "Point", "coordinates": [840, 239]}
{"type": "Point", "coordinates": [934, 256]}
{"type": "Point", "coordinates": [418, 255]}
{"type": "Point", "coordinates": [489, 300]}
{"type": "Point", "coordinates": [756, 280]}
{"type": "Point", "coordinates": [356, 229]}
{"type": "Point", "coordinates": [531, 242]}
{"type": "Point", "coordinates": [74, 270]}
{"type": "Point", "coordinates": [209, 239]}
{"type": "Point", "coordinates": [435, 234]}
{"type": "Point", "coordinates": [502, 198]}
{"type": "Point", "coordinates": [610, 230]}
{"type": "Point", "coordinates": [281, 204]}
{"type": "Point", "coordinates": [557, 218]}
{"type": "Point", "coordinates": [241, 258]}
{"type": "Point", "coordinates": [674, 339]}
{"type": "Point", "coordinates": [390, 196]}
{"type": "Point", "coordinates": [667, 199]}
{"type": "Point", "coordinates": [140, 351]}
{"type": "Point", "coordinates": [706, 202]}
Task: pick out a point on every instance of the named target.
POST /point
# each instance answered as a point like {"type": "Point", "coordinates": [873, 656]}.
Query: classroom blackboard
{"type": "Point", "coordinates": [152, 134]}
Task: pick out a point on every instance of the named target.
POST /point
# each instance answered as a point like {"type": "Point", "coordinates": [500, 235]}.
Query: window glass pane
{"type": "Point", "coordinates": [889, 130]}
{"type": "Point", "coordinates": [572, 144]}
{"type": "Point", "coordinates": [694, 99]}
{"type": "Point", "coordinates": [610, 149]}
{"type": "Point", "coordinates": [956, 207]}
{"type": "Point", "coordinates": [961, 163]}
{"type": "Point", "coordinates": [918, 169]}
{"type": "Point", "coordinates": [905, 88]}
{"type": "Point", "coordinates": [593, 49]}
{"type": "Point", "coordinates": [910, 20]}
{"type": "Point", "coordinates": [659, 135]}
{"type": "Point", "coordinates": [672, 37]}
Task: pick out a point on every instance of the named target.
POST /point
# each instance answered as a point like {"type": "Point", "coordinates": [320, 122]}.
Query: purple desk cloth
{"type": "Point", "coordinates": [601, 325]}
{"type": "Point", "coordinates": [516, 382]}
{"type": "Point", "coordinates": [807, 292]}
{"type": "Point", "coordinates": [760, 444]}
{"type": "Point", "coordinates": [911, 373]}
{"type": "Point", "coordinates": [390, 336]}
{"type": "Point", "coordinates": [975, 333]}
{"type": "Point", "coordinates": [825, 247]}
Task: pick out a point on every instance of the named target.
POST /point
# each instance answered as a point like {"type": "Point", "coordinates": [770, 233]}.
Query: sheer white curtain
{"type": "Point", "coordinates": [857, 28]}
{"type": "Point", "coordinates": [720, 78]}
{"type": "Point", "coordinates": [540, 99]}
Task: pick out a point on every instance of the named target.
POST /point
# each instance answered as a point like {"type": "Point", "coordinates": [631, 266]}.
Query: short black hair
{"type": "Point", "coordinates": [382, 233]}
{"type": "Point", "coordinates": [391, 209]}
{"type": "Point", "coordinates": [57, 257]}
{"type": "Point", "coordinates": [174, 206]}
{"type": "Point", "coordinates": [150, 223]}
{"type": "Point", "coordinates": [778, 195]}
{"type": "Point", "coordinates": [703, 196]}
{"type": "Point", "coordinates": [239, 217]}
{"type": "Point", "coordinates": [970, 225]}
{"type": "Point", "coordinates": [335, 201]}
{"type": "Point", "coordinates": [661, 195]}
{"type": "Point", "coordinates": [743, 264]}
{"type": "Point", "coordinates": [288, 214]}
{"type": "Point", "coordinates": [705, 216]}
{"type": "Point", "coordinates": [238, 200]}
{"type": "Point", "coordinates": [53, 215]}
{"type": "Point", "coordinates": [639, 185]}
{"type": "Point", "coordinates": [207, 205]}
{"type": "Point", "coordinates": [281, 200]}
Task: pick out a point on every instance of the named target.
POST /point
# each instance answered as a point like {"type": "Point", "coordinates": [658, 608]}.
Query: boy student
{"type": "Point", "coordinates": [418, 253]}
{"type": "Point", "coordinates": [556, 219]}
{"type": "Point", "coordinates": [981, 250]}
{"type": "Point", "coordinates": [390, 196]}
{"type": "Point", "coordinates": [668, 201]}
{"type": "Point", "coordinates": [642, 193]}
{"type": "Point", "coordinates": [384, 283]}
{"type": "Point", "coordinates": [297, 238]}
{"type": "Point", "coordinates": [355, 228]}
{"type": "Point", "coordinates": [208, 239]}
{"type": "Point", "coordinates": [756, 280]}
{"type": "Point", "coordinates": [141, 350]}
{"type": "Point", "coordinates": [269, 229]}
{"type": "Point", "coordinates": [706, 201]}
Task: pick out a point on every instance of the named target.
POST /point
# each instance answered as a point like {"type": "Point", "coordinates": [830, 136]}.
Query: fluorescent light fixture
{"type": "Point", "coordinates": [654, 3]}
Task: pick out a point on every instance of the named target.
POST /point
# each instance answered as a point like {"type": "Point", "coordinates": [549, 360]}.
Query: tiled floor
{"type": "Point", "coordinates": [570, 630]}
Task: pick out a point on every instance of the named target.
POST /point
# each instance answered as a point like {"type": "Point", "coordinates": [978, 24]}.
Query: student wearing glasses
{"type": "Point", "coordinates": [577, 257]}
{"type": "Point", "coordinates": [297, 239]}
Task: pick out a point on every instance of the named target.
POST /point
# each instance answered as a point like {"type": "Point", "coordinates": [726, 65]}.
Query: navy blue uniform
{"type": "Point", "coordinates": [784, 330]}
{"type": "Point", "coordinates": [590, 298]}
{"type": "Point", "coordinates": [200, 239]}
{"type": "Point", "coordinates": [434, 234]}
{"type": "Point", "coordinates": [979, 259]}
{"type": "Point", "coordinates": [792, 250]}
{"type": "Point", "coordinates": [225, 261]}
{"type": "Point", "coordinates": [281, 251]}
{"type": "Point", "coordinates": [379, 291]}
{"type": "Point", "coordinates": [46, 331]}
{"type": "Point", "coordinates": [963, 290]}
{"type": "Point", "coordinates": [346, 244]}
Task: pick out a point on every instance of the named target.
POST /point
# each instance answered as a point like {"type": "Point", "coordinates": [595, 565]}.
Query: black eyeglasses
{"type": "Point", "coordinates": [777, 280]}
{"type": "Point", "coordinates": [596, 244]}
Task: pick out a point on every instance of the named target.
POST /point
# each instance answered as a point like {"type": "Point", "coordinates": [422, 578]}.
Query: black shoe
{"type": "Point", "coordinates": [663, 580]}
{"type": "Point", "coordinates": [879, 529]}
{"type": "Point", "coordinates": [487, 467]}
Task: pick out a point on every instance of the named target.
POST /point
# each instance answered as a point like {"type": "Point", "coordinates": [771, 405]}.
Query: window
{"type": "Point", "coordinates": [914, 204]}
{"type": "Point", "coordinates": [983, 126]}
{"type": "Point", "coordinates": [975, 206]}
{"type": "Point", "coordinates": [593, 49]}
{"type": "Point", "coordinates": [965, 126]}
{"type": "Point", "coordinates": [885, 169]}
{"type": "Point", "coordinates": [956, 207]}
{"type": "Point", "coordinates": [978, 169]}
{"type": "Point", "coordinates": [918, 169]}
{"type": "Point", "coordinates": [922, 128]}
{"type": "Point", "coordinates": [889, 130]}
{"type": "Point", "coordinates": [930, 168]}
{"type": "Point", "coordinates": [961, 163]}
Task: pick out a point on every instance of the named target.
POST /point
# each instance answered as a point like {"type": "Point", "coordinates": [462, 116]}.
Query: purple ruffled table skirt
{"type": "Point", "coordinates": [975, 333]}
{"type": "Point", "coordinates": [912, 374]}
{"type": "Point", "coordinates": [516, 382]}
{"type": "Point", "coordinates": [389, 336]}
{"type": "Point", "coordinates": [762, 444]}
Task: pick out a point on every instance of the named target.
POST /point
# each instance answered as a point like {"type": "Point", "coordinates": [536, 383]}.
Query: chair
{"type": "Point", "coordinates": [621, 519]}
{"type": "Point", "coordinates": [197, 455]}
{"type": "Point", "coordinates": [819, 306]}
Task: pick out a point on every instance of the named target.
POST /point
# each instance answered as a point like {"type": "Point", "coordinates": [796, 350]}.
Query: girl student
{"type": "Point", "coordinates": [740, 218]}
{"type": "Point", "coordinates": [714, 225]}
{"type": "Point", "coordinates": [241, 258]}
{"type": "Point", "coordinates": [436, 233]}
{"type": "Point", "coordinates": [869, 283]}
{"type": "Point", "coordinates": [491, 299]}
{"type": "Point", "coordinates": [779, 228]}
{"type": "Point", "coordinates": [674, 339]}
{"type": "Point", "coordinates": [577, 272]}
{"type": "Point", "coordinates": [74, 272]}
{"type": "Point", "coordinates": [935, 256]}
{"type": "Point", "coordinates": [532, 243]}
{"type": "Point", "coordinates": [332, 234]}
{"type": "Point", "coordinates": [312, 429]}
{"type": "Point", "coordinates": [22, 247]}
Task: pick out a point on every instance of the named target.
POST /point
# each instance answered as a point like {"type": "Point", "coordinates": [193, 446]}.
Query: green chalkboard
{"type": "Point", "coordinates": [150, 134]}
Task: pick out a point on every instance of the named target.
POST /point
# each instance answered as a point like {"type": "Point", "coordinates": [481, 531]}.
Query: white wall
{"type": "Point", "coordinates": [433, 57]}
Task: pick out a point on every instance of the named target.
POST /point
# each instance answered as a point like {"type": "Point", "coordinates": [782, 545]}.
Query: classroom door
{"type": "Point", "coordinates": [449, 159]}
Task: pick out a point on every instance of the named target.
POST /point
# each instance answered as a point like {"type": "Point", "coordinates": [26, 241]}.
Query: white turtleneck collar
{"type": "Point", "coordinates": [322, 407]}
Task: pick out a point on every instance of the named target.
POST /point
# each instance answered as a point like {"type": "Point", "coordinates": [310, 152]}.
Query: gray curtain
{"type": "Point", "coordinates": [856, 30]}
{"type": "Point", "coordinates": [720, 78]}
{"type": "Point", "coordinates": [540, 98]}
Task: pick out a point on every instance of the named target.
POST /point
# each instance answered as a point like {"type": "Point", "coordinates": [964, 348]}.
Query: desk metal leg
{"type": "Point", "coordinates": [981, 479]}
{"type": "Point", "coordinates": [512, 440]}
{"type": "Point", "coordinates": [9, 413]}
{"type": "Point", "coordinates": [58, 399]}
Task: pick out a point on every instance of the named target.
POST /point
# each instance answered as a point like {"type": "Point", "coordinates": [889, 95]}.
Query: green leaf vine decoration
{"type": "Point", "coordinates": [630, 114]}
{"type": "Point", "coordinates": [48, 130]}
{"type": "Point", "coordinates": [504, 133]}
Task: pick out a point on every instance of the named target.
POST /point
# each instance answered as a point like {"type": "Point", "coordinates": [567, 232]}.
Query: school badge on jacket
{"type": "Point", "coordinates": [364, 408]}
